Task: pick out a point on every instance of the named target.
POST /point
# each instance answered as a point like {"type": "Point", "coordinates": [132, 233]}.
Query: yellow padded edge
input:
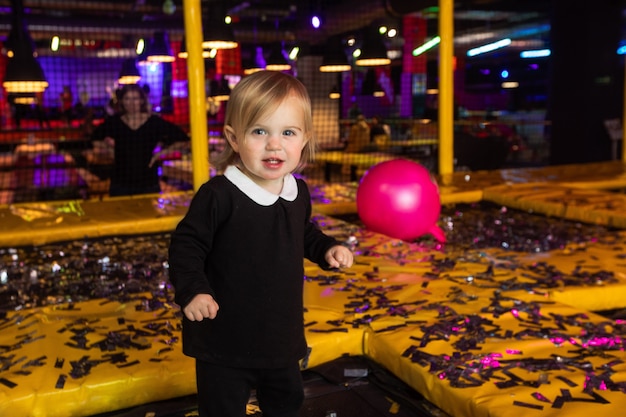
{"type": "Point", "coordinates": [553, 199]}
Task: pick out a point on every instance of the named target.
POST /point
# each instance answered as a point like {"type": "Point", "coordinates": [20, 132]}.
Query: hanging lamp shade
{"type": "Point", "coordinates": [277, 61]}
{"type": "Point", "coordinates": [129, 73]}
{"type": "Point", "coordinates": [335, 58]}
{"type": "Point", "coordinates": [249, 66]}
{"type": "Point", "coordinates": [217, 33]}
{"type": "Point", "coordinates": [253, 61]}
{"type": "Point", "coordinates": [334, 94]}
{"type": "Point", "coordinates": [219, 90]}
{"type": "Point", "coordinates": [335, 62]}
{"type": "Point", "coordinates": [23, 73]}
{"type": "Point", "coordinates": [373, 51]}
{"type": "Point", "coordinates": [159, 48]}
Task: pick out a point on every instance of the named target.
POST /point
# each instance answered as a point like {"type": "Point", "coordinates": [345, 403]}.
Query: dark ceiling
{"type": "Point", "coordinates": [264, 21]}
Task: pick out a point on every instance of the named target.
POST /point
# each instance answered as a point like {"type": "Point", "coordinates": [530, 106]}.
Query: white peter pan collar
{"type": "Point", "coordinates": [259, 194]}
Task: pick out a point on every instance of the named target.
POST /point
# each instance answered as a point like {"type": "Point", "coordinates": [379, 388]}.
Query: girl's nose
{"type": "Point", "coordinates": [273, 142]}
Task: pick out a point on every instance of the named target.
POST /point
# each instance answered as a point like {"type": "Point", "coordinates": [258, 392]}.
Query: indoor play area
{"type": "Point", "coordinates": [487, 220]}
{"type": "Point", "coordinates": [511, 308]}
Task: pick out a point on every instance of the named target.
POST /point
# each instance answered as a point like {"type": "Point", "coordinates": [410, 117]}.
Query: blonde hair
{"type": "Point", "coordinates": [257, 95]}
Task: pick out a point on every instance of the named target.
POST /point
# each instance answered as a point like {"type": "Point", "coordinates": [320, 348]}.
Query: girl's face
{"type": "Point", "coordinates": [272, 147]}
{"type": "Point", "coordinates": [132, 102]}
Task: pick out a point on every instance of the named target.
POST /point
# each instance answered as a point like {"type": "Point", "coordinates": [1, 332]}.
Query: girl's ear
{"type": "Point", "coordinates": [231, 137]}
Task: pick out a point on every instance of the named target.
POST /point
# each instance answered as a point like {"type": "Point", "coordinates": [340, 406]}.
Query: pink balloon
{"type": "Point", "coordinates": [399, 199]}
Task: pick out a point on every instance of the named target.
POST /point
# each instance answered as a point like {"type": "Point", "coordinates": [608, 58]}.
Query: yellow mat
{"type": "Point", "coordinates": [479, 332]}
{"type": "Point", "coordinates": [96, 356]}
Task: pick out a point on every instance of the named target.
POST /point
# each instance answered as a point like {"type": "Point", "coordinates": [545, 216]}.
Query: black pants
{"type": "Point", "coordinates": [224, 392]}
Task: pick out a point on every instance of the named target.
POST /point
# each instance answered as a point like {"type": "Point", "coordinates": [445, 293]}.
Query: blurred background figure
{"type": "Point", "coordinates": [139, 140]}
{"type": "Point", "coordinates": [67, 103]}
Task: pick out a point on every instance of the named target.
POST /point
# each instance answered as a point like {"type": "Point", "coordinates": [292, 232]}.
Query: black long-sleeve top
{"type": "Point", "coordinates": [245, 247]}
{"type": "Point", "coordinates": [134, 149]}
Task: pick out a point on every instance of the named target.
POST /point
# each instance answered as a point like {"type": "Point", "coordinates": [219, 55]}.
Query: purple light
{"type": "Point", "coordinates": [316, 22]}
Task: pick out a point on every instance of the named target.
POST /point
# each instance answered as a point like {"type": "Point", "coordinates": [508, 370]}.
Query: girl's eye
{"type": "Point", "coordinates": [289, 133]}
{"type": "Point", "coordinates": [258, 131]}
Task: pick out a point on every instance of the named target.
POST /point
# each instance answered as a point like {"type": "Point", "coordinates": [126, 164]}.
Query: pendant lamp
{"type": "Point", "coordinates": [335, 58]}
{"type": "Point", "coordinates": [129, 73]}
{"type": "Point", "coordinates": [159, 48]}
{"type": "Point", "coordinates": [217, 33]}
{"type": "Point", "coordinates": [254, 61]}
{"type": "Point", "coordinates": [277, 61]}
{"type": "Point", "coordinates": [219, 90]}
{"type": "Point", "coordinates": [23, 73]}
{"type": "Point", "coordinates": [373, 51]}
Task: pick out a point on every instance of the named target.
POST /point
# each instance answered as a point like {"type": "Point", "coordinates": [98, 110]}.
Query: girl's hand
{"type": "Point", "coordinates": [339, 257]}
{"type": "Point", "coordinates": [201, 307]}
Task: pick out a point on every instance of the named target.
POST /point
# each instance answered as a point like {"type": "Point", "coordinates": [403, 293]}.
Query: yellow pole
{"type": "Point", "coordinates": [446, 87]}
{"type": "Point", "coordinates": [197, 96]}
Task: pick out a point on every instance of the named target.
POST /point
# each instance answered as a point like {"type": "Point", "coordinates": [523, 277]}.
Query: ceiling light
{"type": "Point", "coordinates": [329, 65]}
{"type": "Point", "coordinates": [510, 84]}
{"type": "Point", "coordinates": [537, 53]}
{"type": "Point", "coordinates": [159, 48]}
{"type": "Point", "coordinates": [489, 47]}
{"type": "Point", "coordinates": [426, 46]}
{"type": "Point", "coordinates": [373, 51]}
{"type": "Point", "coordinates": [141, 46]}
{"type": "Point", "coordinates": [254, 62]}
{"type": "Point", "coordinates": [334, 58]}
{"type": "Point", "coordinates": [316, 22]}
{"type": "Point", "coordinates": [55, 43]}
{"type": "Point", "coordinates": [169, 7]}
{"type": "Point", "coordinates": [129, 73]}
{"type": "Point", "coordinates": [219, 90]}
{"type": "Point", "coordinates": [23, 73]}
{"type": "Point", "coordinates": [277, 60]}
{"type": "Point", "coordinates": [293, 54]}
{"type": "Point", "coordinates": [218, 34]}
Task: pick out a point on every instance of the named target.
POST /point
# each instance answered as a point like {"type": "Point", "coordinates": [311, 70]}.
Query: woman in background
{"type": "Point", "coordinates": [139, 138]}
